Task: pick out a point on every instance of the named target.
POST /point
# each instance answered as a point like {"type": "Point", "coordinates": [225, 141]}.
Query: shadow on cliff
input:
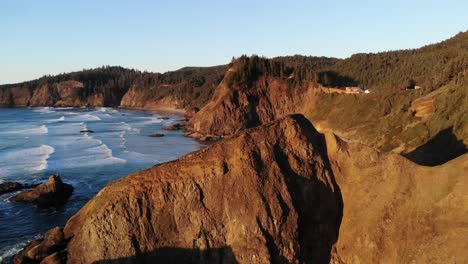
{"type": "Point", "coordinates": [179, 255]}
{"type": "Point", "coordinates": [443, 147]}
{"type": "Point", "coordinates": [320, 206]}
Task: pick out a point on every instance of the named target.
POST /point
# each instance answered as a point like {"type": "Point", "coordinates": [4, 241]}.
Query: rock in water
{"type": "Point", "coordinates": [156, 135]}
{"type": "Point", "coordinates": [86, 131]}
{"type": "Point", "coordinates": [47, 250]}
{"type": "Point", "coordinates": [7, 187]}
{"type": "Point", "coordinates": [265, 195]}
{"type": "Point", "coordinates": [176, 126]}
{"type": "Point", "coordinates": [51, 193]}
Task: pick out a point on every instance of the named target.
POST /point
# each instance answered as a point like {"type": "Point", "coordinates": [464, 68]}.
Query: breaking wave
{"type": "Point", "coordinates": [29, 131]}
{"type": "Point", "coordinates": [25, 161]}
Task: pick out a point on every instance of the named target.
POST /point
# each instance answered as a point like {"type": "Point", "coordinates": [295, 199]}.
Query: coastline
{"type": "Point", "coordinates": [155, 108]}
{"type": "Point", "coordinates": [145, 118]}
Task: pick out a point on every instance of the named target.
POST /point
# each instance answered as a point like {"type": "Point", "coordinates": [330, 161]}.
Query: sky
{"type": "Point", "coordinates": [52, 37]}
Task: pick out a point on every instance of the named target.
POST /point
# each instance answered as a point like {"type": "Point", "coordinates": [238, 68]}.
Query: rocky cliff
{"type": "Point", "coordinates": [116, 86]}
{"type": "Point", "coordinates": [389, 118]}
{"type": "Point", "coordinates": [238, 106]}
{"type": "Point", "coordinates": [181, 89]}
{"type": "Point", "coordinates": [279, 193]}
{"type": "Point", "coordinates": [396, 211]}
{"type": "Point", "coordinates": [266, 195]}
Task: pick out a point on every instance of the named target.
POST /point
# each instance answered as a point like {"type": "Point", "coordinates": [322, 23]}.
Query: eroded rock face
{"type": "Point", "coordinates": [268, 195]}
{"type": "Point", "coordinates": [235, 107]}
{"type": "Point", "coordinates": [175, 126]}
{"type": "Point", "coordinates": [7, 187]}
{"type": "Point", "coordinates": [396, 211]}
{"type": "Point", "coordinates": [47, 250]}
{"type": "Point", "coordinates": [52, 193]}
{"type": "Point", "coordinates": [265, 195]}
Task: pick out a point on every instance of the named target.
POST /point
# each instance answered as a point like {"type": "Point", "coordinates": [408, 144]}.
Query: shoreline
{"type": "Point", "coordinates": [173, 114]}
{"type": "Point", "coordinates": [161, 109]}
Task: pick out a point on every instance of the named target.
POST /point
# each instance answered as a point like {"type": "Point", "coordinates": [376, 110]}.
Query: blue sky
{"type": "Point", "coordinates": [50, 37]}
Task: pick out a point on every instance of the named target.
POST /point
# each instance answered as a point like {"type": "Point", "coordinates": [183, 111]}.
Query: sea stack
{"type": "Point", "coordinates": [51, 193]}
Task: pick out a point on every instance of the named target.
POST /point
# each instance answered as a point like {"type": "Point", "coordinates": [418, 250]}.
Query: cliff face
{"type": "Point", "coordinates": [68, 93]}
{"type": "Point", "coordinates": [279, 193]}
{"type": "Point", "coordinates": [265, 195]}
{"type": "Point", "coordinates": [400, 122]}
{"type": "Point", "coordinates": [115, 86]}
{"type": "Point", "coordinates": [181, 89]}
{"type": "Point", "coordinates": [235, 107]}
{"type": "Point", "coordinates": [396, 211]}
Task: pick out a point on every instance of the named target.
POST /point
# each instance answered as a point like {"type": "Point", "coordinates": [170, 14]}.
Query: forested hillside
{"type": "Point", "coordinates": [107, 86]}
{"type": "Point", "coordinates": [430, 67]}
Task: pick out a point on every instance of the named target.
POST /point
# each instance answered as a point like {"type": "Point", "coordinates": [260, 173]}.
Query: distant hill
{"type": "Point", "coordinates": [107, 86]}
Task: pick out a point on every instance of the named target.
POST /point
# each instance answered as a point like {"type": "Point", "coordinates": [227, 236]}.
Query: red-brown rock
{"type": "Point", "coordinates": [265, 195]}
{"type": "Point", "coordinates": [47, 250]}
{"type": "Point", "coordinates": [51, 193]}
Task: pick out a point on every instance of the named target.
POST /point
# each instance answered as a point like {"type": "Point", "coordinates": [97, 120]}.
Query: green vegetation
{"type": "Point", "coordinates": [192, 86]}
{"type": "Point", "coordinates": [429, 67]}
{"type": "Point", "coordinates": [295, 68]}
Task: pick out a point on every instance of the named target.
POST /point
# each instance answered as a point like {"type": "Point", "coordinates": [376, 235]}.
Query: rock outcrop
{"type": "Point", "coordinates": [174, 126]}
{"type": "Point", "coordinates": [396, 211]}
{"type": "Point", "coordinates": [237, 106]}
{"type": "Point", "coordinates": [156, 135]}
{"type": "Point", "coordinates": [51, 193]}
{"type": "Point", "coordinates": [45, 251]}
{"type": "Point", "coordinates": [6, 187]}
{"type": "Point", "coordinates": [117, 86]}
{"type": "Point", "coordinates": [279, 193]}
{"type": "Point", "coordinates": [265, 195]}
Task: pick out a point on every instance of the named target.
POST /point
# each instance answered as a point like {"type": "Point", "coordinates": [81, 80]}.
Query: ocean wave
{"type": "Point", "coordinates": [63, 108]}
{"type": "Point", "coordinates": [60, 119]}
{"type": "Point", "coordinates": [23, 161]}
{"type": "Point", "coordinates": [150, 120]}
{"type": "Point", "coordinates": [85, 151]}
{"type": "Point", "coordinates": [123, 140]}
{"type": "Point", "coordinates": [137, 157]}
{"type": "Point", "coordinates": [44, 110]}
{"type": "Point", "coordinates": [29, 131]}
{"type": "Point", "coordinates": [9, 253]}
{"type": "Point", "coordinates": [84, 117]}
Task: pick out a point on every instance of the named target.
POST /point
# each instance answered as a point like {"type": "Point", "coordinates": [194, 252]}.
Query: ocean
{"type": "Point", "coordinates": [38, 142]}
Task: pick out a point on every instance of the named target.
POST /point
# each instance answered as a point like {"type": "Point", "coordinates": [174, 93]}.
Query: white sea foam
{"type": "Point", "coordinates": [84, 117]}
{"type": "Point", "coordinates": [16, 248]}
{"type": "Point", "coordinates": [150, 120]}
{"type": "Point", "coordinates": [38, 130]}
{"type": "Point", "coordinates": [84, 151]}
{"type": "Point", "coordinates": [123, 140]}
{"type": "Point", "coordinates": [44, 110]}
{"type": "Point", "coordinates": [136, 157]}
{"type": "Point", "coordinates": [62, 118]}
{"type": "Point", "coordinates": [24, 161]}
{"type": "Point", "coordinates": [63, 108]}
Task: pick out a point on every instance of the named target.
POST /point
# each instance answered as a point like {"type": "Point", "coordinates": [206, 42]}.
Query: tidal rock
{"type": "Point", "coordinates": [86, 131]}
{"type": "Point", "coordinates": [175, 126]}
{"type": "Point", "coordinates": [7, 187]}
{"type": "Point", "coordinates": [156, 135]}
{"type": "Point", "coordinates": [47, 250]}
{"type": "Point", "coordinates": [51, 193]}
